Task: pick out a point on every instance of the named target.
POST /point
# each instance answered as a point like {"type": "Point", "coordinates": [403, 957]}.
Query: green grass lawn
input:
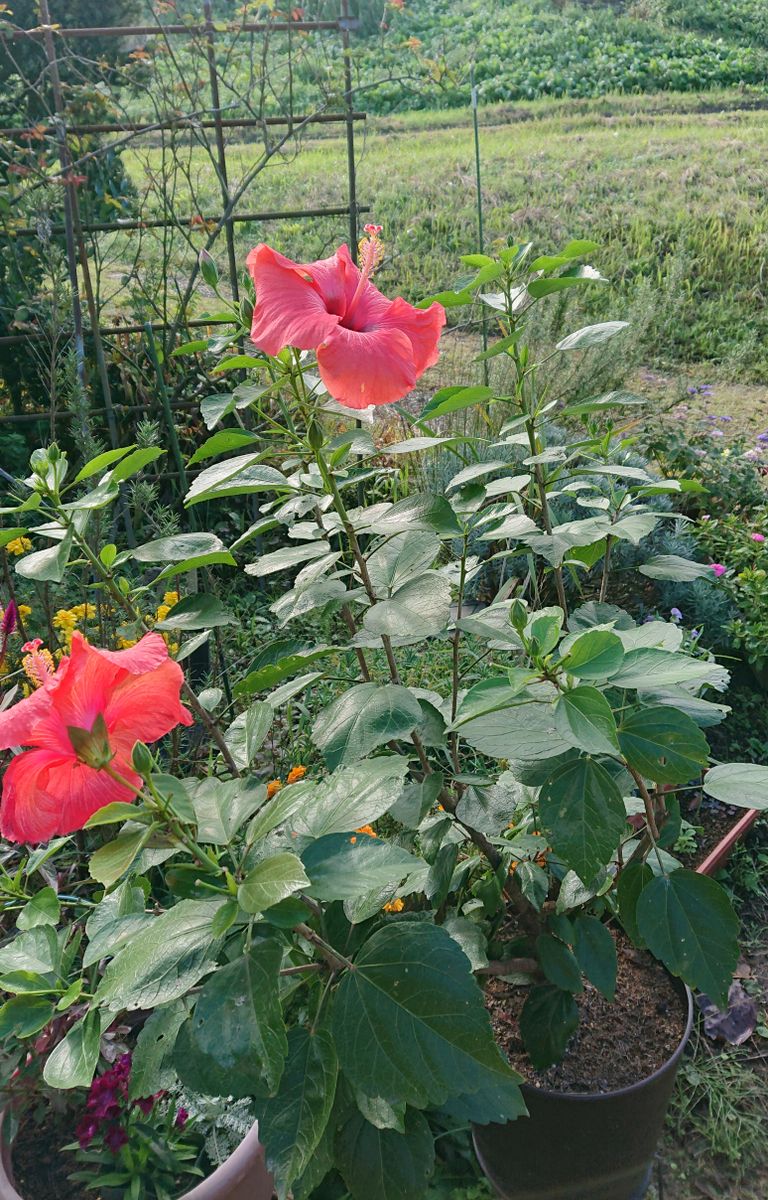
{"type": "Point", "coordinates": [672, 188]}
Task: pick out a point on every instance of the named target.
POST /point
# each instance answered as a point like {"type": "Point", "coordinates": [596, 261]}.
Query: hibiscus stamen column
{"type": "Point", "coordinates": [370, 252]}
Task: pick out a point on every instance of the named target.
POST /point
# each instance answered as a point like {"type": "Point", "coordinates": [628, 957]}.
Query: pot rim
{"type": "Point", "coordinates": [591, 1097]}
{"type": "Point", "coordinates": [720, 852]}
{"type": "Point", "coordinates": [227, 1172]}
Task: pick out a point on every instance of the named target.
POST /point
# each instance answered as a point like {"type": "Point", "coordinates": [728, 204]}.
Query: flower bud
{"type": "Point", "coordinates": [518, 615]}
{"type": "Point", "coordinates": [208, 269]}
{"type": "Point", "coordinates": [315, 436]}
{"type": "Point", "coordinates": [143, 762]}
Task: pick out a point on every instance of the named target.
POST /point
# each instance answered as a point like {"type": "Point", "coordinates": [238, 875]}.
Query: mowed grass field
{"type": "Point", "coordinates": [673, 188]}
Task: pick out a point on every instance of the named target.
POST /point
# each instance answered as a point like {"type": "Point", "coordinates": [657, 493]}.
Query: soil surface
{"type": "Point", "coordinates": [40, 1167]}
{"type": "Point", "coordinates": [617, 1044]}
{"type": "Point", "coordinates": [715, 820]}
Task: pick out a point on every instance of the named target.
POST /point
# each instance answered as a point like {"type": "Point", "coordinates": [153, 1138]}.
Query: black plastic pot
{"type": "Point", "coordinates": [581, 1146]}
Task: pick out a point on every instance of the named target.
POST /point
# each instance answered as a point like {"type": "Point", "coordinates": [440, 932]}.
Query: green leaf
{"type": "Point", "coordinates": [584, 717]}
{"type": "Point", "coordinates": [648, 667]}
{"type": "Point", "coordinates": [400, 559]}
{"type": "Point", "coordinates": [632, 880]}
{"type": "Point", "coordinates": [10, 535]}
{"type": "Point", "coordinates": [688, 922]}
{"type": "Point", "coordinates": [353, 796]}
{"type": "Point", "coordinates": [111, 861]}
{"type": "Point", "coordinates": [236, 477]}
{"type": "Point", "coordinates": [73, 1062]}
{"type": "Point", "coordinates": [42, 909]}
{"type": "Point", "coordinates": [135, 462]}
{"type": "Point", "coordinates": [522, 728]}
{"type": "Point", "coordinates": [343, 867]}
{"type": "Point", "coordinates": [548, 1019]}
{"type": "Point", "coordinates": [743, 784]}
{"type": "Point", "coordinates": [264, 677]}
{"type": "Point", "coordinates": [595, 952]}
{"type": "Point", "coordinates": [410, 1023]}
{"type": "Point", "coordinates": [200, 611]}
{"type": "Point", "coordinates": [663, 744]}
{"type": "Point", "coordinates": [453, 399]}
{"type": "Point", "coordinates": [36, 950]}
{"type": "Point", "coordinates": [418, 609]}
{"type": "Point", "coordinates": [279, 809]}
{"type": "Point", "coordinates": [24, 1016]}
{"type": "Point", "coordinates": [558, 963]}
{"type": "Point", "coordinates": [293, 1122]}
{"type": "Point", "coordinates": [366, 716]}
{"type": "Point", "coordinates": [672, 566]}
{"type": "Point", "coordinates": [583, 812]}
{"type": "Point", "coordinates": [419, 511]}
{"type": "Point", "coordinates": [46, 566]}
{"type": "Point", "coordinates": [221, 443]}
{"type": "Point", "coordinates": [152, 1067]}
{"type": "Point", "coordinates": [99, 464]}
{"type": "Point", "coordinates": [270, 881]}
{"type": "Point", "coordinates": [591, 335]}
{"type": "Point", "coordinates": [382, 1164]}
{"type": "Point", "coordinates": [113, 814]}
{"type": "Point", "coordinates": [222, 807]}
{"type": "Point", "coordinates": [285, 558]}
{"type": "Point", "coordinates": [595, 654]}
{"type": "Point", "coordinates": [247, 733]}
{"type": "Point", "coordinates": [235, 1044]}
{"type": "Point", "coordinates": [171, 956]}
{"type": "Point", "coordinates": [178, 548]}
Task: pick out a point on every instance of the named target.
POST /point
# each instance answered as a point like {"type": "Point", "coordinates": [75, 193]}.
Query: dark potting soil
{"type": "Point", "coordinates": [41, 1167]}
{"type": "Point", "coordinates": [617, 1044]}
{"type": "Point", "coordinates": [715, 820]}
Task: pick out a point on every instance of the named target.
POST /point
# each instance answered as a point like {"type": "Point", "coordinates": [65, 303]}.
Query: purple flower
{"type": "Point", "coordinates": [762, 437]}
{"type": "Point", "coordinates": [718, 569]}
{"type": "Point", "coordinates": [182, 1116]}
{"type": "Point", "coordinates": [716, 433]}
{"type": "Point", "coordinates": [705, 517]}
{"type": "Point", "coordinates": [10, 620]}
{"type": "Point", "coordinates": [675, 614]}
{"type": "Point", "coordinates": [757, 537]}
{"type": "Point", "coordinates": [115, 1138]}
{"type": "Point", "coordinates": [86, 1131]}
{"type": "Point", "coordinates": [695, 635]}
{"type": "Point", "coordinates": [146, 1104]}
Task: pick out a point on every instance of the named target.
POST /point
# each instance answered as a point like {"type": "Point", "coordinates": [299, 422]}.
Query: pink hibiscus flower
{"type": "Point", "coordinates": [370, 350]}
{"type": "Point", "coordinates": [128, 695]}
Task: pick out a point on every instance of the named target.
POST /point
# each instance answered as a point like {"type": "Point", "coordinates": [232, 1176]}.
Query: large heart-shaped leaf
{"type": "Point", "coordinates": [353, 796]}
{"type": "Point", "coordinates": [419, 512]}
{"type": "Point", "coordinates": [235, 1042]}
{"type": "Point", "coordinates": [400, 559]}
{"type": "Point", "coordinates": [343, 867]}
{"type": "Point", "coordinates": [583, 813]}
{"type": "Point", "coordinates": [382, 1164]}
{"type": "Point", "coordinates": [410, 1023]}
{"type": "Point", "coordinates": [743, 784]}
{"type": "Point", "coordinates": [292, 1123]}
{"type": "Point", "coordinates": [688, 922]}
{"type": "Point", "coordinates": [663, 744]}
{"type": "Point", "coordinates": [170, 957]}
{"type": "Point", "coordinates": [364, 717]}
{"type": "Point", "coordinates": [418, 609]}
{"type": "Point", "coordinates": [584, 717]}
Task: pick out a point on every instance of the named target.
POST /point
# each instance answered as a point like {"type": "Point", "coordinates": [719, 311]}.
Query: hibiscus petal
{"type": "Point", "coordinates": [17, 724]}
{"type": "Point", "coordinates": [147, 654]}
{"type": "Point", "coordinates": [87, 685]}
{"type": "Point", "coordinates": [290, 308]}
{"type": "Point", "coordinates": [360, 369]}
{"type": "Point", "coordinates": [146, 707]}
{"type": "Point", "coordinates": [47, 794]}
{"type": "Point", "coordinates": [422, 325]}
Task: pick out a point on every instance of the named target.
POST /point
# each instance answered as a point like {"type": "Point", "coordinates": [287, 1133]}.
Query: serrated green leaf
{"type": "Point", "coordinates": [548, 1019]}
{"type": "Point", "coordinates": [270, 881]}
{"type": "Point", "coordinates": [663, 744]}
{"type": "Point", "coordinates": [595, 952]}
{"type": "Point", "coordinates": [583, 813]}
{"type": "Point", "coordinates": [584, 717]}
{"type": "Point", "coordinates": [365, 717]}
{"type": "Point", "coordinates": [382, 1164]}
{"type": "Point", "coordinates": [744, 784]}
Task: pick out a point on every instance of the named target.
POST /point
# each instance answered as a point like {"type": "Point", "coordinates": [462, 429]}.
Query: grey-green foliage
{"type": "Point", "coordinates": [223, 1122]}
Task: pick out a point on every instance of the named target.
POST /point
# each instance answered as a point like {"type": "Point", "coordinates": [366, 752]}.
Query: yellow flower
{"type": "Point", "coordinates": [24, 611]}
{"type": "Point", "coordinates": [124, 643]}
{"type": "Point", "coordinates": [394, 906]}
{"type": "Point", "coordinates": [64, 619]}
{"type": "Point", "coordinates": [367, 829]}
{"type": "Point", "coordinates": [273, 787]}
{"type": "Point", "coordinates": [162, 612]}
{"type": "Point", "coordinates": [295, 774]}
{"type": "Point", "coordinates": [171, 598]}
{"type": "Point", "coordinates": [19, 545]}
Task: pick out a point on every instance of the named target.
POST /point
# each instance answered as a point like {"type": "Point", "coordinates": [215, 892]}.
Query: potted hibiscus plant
{"type": "Point", "coordinates": [465, 867]}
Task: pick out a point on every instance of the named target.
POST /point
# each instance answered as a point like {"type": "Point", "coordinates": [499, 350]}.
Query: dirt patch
{"type": "Point", "coordinates": [714, 820]}
{"type": "Point", "coordinates": [40, 1167]}
{"type": "Point", "coordinates": [617, 1044]}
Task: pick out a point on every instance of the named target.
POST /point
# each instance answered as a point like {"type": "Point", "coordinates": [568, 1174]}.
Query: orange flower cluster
{"type": "Point", "coordinates": [293, 776]}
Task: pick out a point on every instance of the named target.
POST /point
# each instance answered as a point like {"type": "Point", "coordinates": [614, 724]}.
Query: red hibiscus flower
{"type": "Point", "coordinates": [370, 350]}
{"type": "Point", "coordinates": [119, 697]}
